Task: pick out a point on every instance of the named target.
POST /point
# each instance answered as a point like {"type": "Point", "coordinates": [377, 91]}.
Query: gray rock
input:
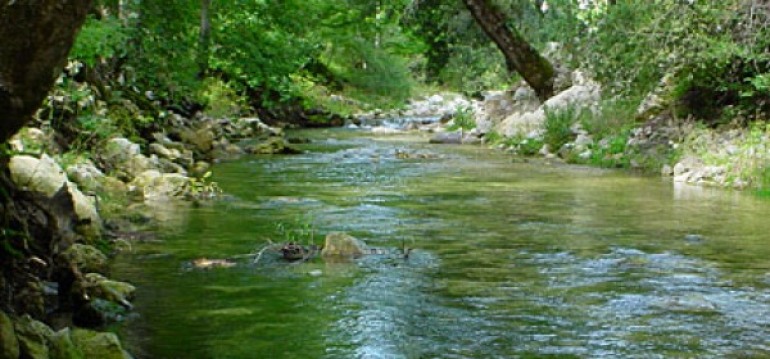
{"type": "Point", "coordinates": [45, 176]}
{"type": "Point", "coordinates": [152, 184]}
{"type": "Point", "coordinates": [86, 175]}
{"type": "Point", "coordinates": [202, 139]}
{"type": "Point", "coordinates": [340, 244]}
{"type": "Point", "coordinates": [455, 137]}
{"type": "Point", "coordinates": [273, 145]}
{"type": "Point", "coordinates": [41, 175]}
{"type": "Point", "coordinates": [9, 345]}
{"type": "Point", "coordinates": [161, 151]}
{"type": "Point", "coordinates": [125, 158]}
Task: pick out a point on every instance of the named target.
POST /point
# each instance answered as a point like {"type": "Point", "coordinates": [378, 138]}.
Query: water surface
{"type": "Point", "coordinates": [511, 259]}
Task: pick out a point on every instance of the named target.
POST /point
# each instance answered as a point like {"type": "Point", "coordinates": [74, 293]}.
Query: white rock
{"type": "Point", "coordinates": [39, 175]}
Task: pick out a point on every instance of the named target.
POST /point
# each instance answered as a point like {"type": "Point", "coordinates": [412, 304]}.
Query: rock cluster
{"type": "Point", "coordinates": [68, 274]}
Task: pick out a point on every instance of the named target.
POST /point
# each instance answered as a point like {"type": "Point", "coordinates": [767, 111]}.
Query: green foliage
{"type": "Point", "coordinates": [200, 188]}
{"type": "Point", "coordinates": [494, 138]}
{"type": "Point", "coordinates": [300, 231]}
{"type": "Point", "coordinates": [524, 146]}
{"type": "Point", "coordinates": [220, 99]}
{"type": "Point", "coordinates": [463, 120]}
{"type": "Point", "coordinates": [474, 69]}
{"type": "Point", "coordinates": [163, 56]}
{"type": "Point", "coordinates": [558, 126]}
{"type": "Point", "coordinates": [612, 152]}
{"type": "Point", "coordinates": [100, 39]}
{"type": "Point", "coordinates": [613, 117]}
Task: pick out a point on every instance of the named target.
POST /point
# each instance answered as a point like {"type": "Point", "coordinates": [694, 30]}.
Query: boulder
{"type": "Point", "coordinates": [152, 184]}
{"type": "Point", "coordinates": [44, 176]}
{"type": "Point", "coordinates": [252, 125]}
{"type": "Point", "coordinates": [9, 345]}
{"type": "Point", "coordinates": [202, 138]}
{"type": "Point", "coordinates": [118, 150]}
{"type": "Point", "coordinates": [61, 346]}
{"type": "Point", "coordinates": [273, 145]}
{"type": "Point", "coordinates": [33, 338]}
{"type": "Point", "coordinates": [125, 158]}
{"type": "Point", "coordinates": [98, 345]}
{"type": "Point", "coordinates": [41, 175]}
{"type": "Point", "coordinates": [96, 285]}
{"type": "Point", "coordinates": [161, 151]}
{"type": "Point", "coordinates": [455, 137]}
{"type": "Point", "coordinates": [89, 222]}
{"type": "Point", "coordinates": [343, 245]}
{"type": "Point", "coordinates": [586, 95]}
{"type": "Point", "coordinates": [86, 175]}
{"type": "Point", "coordinates": [86, 258]}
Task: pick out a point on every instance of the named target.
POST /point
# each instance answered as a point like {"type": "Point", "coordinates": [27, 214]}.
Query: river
{"type": "Point", "coordinates": [511, 258]}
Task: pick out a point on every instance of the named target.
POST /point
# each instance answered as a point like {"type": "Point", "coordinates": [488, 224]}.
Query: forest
{"type": "Point", "coordinates": [635, 133]}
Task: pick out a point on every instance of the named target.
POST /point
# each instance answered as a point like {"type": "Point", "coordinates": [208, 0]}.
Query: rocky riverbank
{"type": "Point", "coordinates": [647, 137]}
{"type": "Point", "coordinates": [81, 207]}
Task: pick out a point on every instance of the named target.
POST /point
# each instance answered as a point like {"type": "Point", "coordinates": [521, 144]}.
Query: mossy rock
{"type": "Point", "coordinates": [33, 338]}
{"type": "Point", "coordinates": [9, 345]}
{"type": "Point", "coordinates": [61, 346]}
{"type": "Point", "coordinates": [85, 257]}
{"type": "Point", "coordinates": [272, 145]}
{"type": "Point", "coordinates": [98, 345]}
{"type": "Point", "coordinates": [340, 244]}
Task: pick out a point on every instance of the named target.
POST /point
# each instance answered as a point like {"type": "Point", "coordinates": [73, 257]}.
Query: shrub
{"type": "Point", "coordinates": [463, 120]}
{"type": "Point", "coordinates": [558, 125]}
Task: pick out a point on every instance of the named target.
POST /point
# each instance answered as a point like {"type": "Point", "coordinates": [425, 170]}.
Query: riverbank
{"type": "Point", "coordinates": [579, 125]}
{"type": "Point", "coordinates": [83, 205]}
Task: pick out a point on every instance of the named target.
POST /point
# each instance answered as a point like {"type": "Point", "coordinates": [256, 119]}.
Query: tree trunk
{"type": "Point", "coordinates": [204, 39]}
{"type": "Point", "coordinates": [35, 38]}
{"type": "Point", "coordinates": [520, 56]}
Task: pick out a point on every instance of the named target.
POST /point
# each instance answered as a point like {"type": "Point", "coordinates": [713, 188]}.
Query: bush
{"type": "Point", "coordinates": [463, 120]}
{"type": "Point", "coordinates": [558, 125]}
{"type": "Point", "coordinates": [613, 117]}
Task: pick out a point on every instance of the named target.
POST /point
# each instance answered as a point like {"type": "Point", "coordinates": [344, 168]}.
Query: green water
{"type": "Point", "coordinates": [511, 259]}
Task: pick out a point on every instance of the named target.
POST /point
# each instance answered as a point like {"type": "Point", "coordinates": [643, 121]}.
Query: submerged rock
{"type": "Point", "coordinates": [343, 245]}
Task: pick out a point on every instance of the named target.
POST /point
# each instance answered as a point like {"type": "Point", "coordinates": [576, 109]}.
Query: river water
{"type": "Point", "coordinates": [511, 259]}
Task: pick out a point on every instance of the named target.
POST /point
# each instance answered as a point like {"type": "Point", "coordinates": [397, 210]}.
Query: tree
{"type": "Point", "coordinates": [35, 38]}
{"type": "Point", "coordinates": [520, 56]}
{"type": "Point", "coordinates": [204, 39]}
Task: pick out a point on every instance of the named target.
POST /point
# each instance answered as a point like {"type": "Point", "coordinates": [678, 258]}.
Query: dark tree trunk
{"type": "Point", "coordinates": [204, 39]}
{"type": "Point", "coordinates": [520, 56]}
{"type": "Point", "coordinates": [35, 38]}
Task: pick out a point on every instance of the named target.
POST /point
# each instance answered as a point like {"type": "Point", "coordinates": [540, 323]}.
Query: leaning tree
{"type": "Point", "coordinates": [520, 56]}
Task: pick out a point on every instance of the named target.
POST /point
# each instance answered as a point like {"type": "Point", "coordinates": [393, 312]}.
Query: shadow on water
{"type": "Point", "coordinates": [511, 259]}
